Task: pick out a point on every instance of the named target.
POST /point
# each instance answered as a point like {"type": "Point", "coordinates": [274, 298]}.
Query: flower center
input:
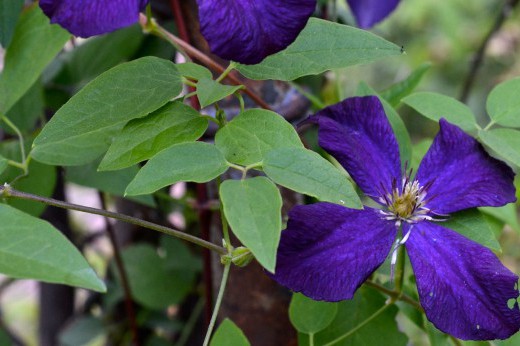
{"type": "Point", "coordinates": [403, 204]}
{"type": "Point", "coordinates": [406, 203]}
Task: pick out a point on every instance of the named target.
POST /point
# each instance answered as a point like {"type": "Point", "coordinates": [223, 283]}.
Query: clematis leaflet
{"type": "Point", "coordinates": [328, 250]}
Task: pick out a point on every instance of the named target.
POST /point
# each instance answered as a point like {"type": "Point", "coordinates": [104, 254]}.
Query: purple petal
{"type": "Point", "coordinates": [86, 18]}
{"type": "Point", "coordinates": [247, 31]}
{"type": "Point", "coordinates": [370, 12]}
{"type": "Point", "coordinates": [463, 287]}
{"type": "Point", "coordinates": [357, 133]}
{"type": "Point", "coordinates": [328, 251]}
{"type": "Point", "coordinates": [463, 174]}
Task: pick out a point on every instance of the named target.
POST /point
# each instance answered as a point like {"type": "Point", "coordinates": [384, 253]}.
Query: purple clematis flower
{"type": "Point", "coordinates": [328, 251]}
{"type": "Point", "coordinates": [87, 18]}
{"type": "Point", "coordinates": [370, 12]}
{"type": "Point", "coordinates": [245, 31]}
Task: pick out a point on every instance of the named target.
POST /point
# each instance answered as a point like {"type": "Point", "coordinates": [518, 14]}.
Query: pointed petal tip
{"type": "Point", "coordinates": [463, 287]}
{"type": "Point", "coordinates": [462, 174]}
{"type": "Point", "coordinates": [357, 133]}
{"type": "Point", "coordinates": [370, 12]}
{"type": "Point", "coordinates": [328, 251]}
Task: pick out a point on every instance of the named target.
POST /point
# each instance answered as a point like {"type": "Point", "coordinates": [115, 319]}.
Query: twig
{"type": "Point", "coordinates": [200, 56]}
{"type": "Point", "coordinates": [225, 275]}
{"type": "Point", "coordinates": [7, 191]}
{"type": "Point", "coordinates": [129, 305]}
{"type": "Point", "coordinates": [395, 295]}
{"type": "Point", "coordinates": [478, 58]}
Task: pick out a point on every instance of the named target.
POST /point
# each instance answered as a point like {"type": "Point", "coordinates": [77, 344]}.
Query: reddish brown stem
{"type": "Point", "coordinates": [204, 59]}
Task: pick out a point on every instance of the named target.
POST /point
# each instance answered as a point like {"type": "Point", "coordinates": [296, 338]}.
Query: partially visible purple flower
{"type": "Point", "coordinates": [247, 31]}
{"type": "Point", "coordinates": [370, 12]}
{"type": "Point", "coordinates": [87, 18]}
{"type": "Point", "coordinates": [328, 251]}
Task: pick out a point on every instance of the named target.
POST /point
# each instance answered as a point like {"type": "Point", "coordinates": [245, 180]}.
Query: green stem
{"type": "Point", "coordinates": [9, 192]}
{"type": "Point", "coordinates": [237, 167]}
{"type": "Point", "coordinates": [488, 126]}
{"type": "Point", "coordinates": [241, 101]}
{"type": "Point", "coordinates": [395, 295]}
{"type": "Point", "coordinates": [221, 290]}
{"type": "Point", "coordinates": [311, 339]}
{"type": "Point", "coordinates": [316, 102]}
{"type": "Point", "coordinates": [189, 82]}
{"type": "Point", "coordinates": [210, 118]}
{"type": "Point", "coordinates": [228, 69]}
{"type": "Point", "coordinates": [16, 164]}
{"type": "Point", "coordinates": [399, 272]}
{"type": "Point", "coordinates": [361, 325]}
{"type": "Point", "coordinates": [20, 138]}
{"type": "Point", "coordinates": [455, 341]}
{"type": "Point", "coordinates": [225, 228]}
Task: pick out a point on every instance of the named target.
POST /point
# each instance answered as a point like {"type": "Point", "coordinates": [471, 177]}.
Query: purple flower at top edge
{"type": "Point", "coordinates": [245, 31]}
{"type": "Point", "coordinates": [328, 250]}
{"type": "Point", "coordinates": [87, 18]}
{"type": "Point", "coordinates": [370, 12]}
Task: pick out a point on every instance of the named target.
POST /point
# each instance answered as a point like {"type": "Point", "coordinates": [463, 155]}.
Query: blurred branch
{"type": "Point", "coordinates": [478, 58]}
{"type": "Point", "coordinates": [129, 305]}
{"type": "Point", "coordinates": [7, 191]}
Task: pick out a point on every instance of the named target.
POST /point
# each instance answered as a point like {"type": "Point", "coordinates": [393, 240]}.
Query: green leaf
{"type": "Point", "coordinates": [142, 138]}
{"type": "Point", "coordinates": [310, 316]}
{"type": "Point", "coordinates": [246, 139]}
{"type": "Point", "coordinates": [31, 248]}
{"type": "Point", "coordinates": [507, 214]}
{"type": "Point", "coordinates": [82, 331]}
{"type": "Point", "coordinates": [321, 46]}
{"type": "Point", "coordinates": [3, 164]}
{"type": "Point", "coordinates": [353, 312]}
{"type": "Point", "coordinates": [307, 172]}
{"type": "Point", "coordinates": [252, 207]}
{"type": "Point", "coordinates": [471, 224]}
{"type": "Point", "coordinates": [401, 89]}
{"type": "Point", "coordinates": [91, 58]}
{"type": "Point", "coordinates": [9, 13]}
{"type": "Point", "coordinates": [503, 103]}
{"type": "Point", "coordinates": [228, 334]}
{"type": "Point", "coordinates": [505, 142]}
{"type": "Point", "coordinates": [210, 91]}
{"type": "Point", "coordinates": [178, 256]}
{"type": "Point", "coordinates": [194, 71]}
{"type": "Point", "coordinates": [27, 110]}
{"type": "Point", "coordinates": [198, 162]}
{"type": "Point", "coordinates": [35, 43]}
{"type": "Point", "coordinates": [152, 282]}
{"type": "Point", "coordinates": [401, 134]}
{"type": "Point", "coordinates": [418, 151]}
{"type": "Point", "coordinates": [81, 130]}
{"type": "Point", "coordinates": [114, 182]}
{"type": "Point", "coordinates": [436, 106]}
{"type": "Point", "coordinates": [40, 181]}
